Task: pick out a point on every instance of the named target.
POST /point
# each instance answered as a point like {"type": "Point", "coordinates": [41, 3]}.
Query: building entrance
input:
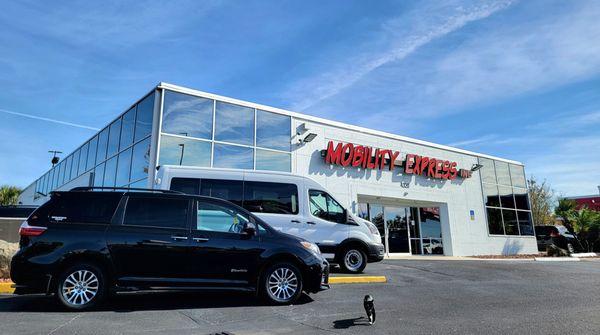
{"type": "Point", "coordinates": [412, 230]}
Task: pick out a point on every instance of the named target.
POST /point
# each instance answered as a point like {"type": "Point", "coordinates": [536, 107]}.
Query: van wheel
{"type": "Point", "coordinates": [81, 287]}
{"type": "Point", "coordinates": [353, 260]}
{"type": "Point", "coordinates": [282, 284]}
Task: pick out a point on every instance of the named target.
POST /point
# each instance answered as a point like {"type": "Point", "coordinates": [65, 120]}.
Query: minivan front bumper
{"type": "Point", "coordinates": [375, 253]}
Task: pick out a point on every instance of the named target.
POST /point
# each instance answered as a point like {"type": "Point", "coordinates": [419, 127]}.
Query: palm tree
{"type": "Point", "coordinates": [9, 195]}
{"type": "Point", "coordinates": [586, 223]}
{"type": "Point", "coordinates": [565, 209]}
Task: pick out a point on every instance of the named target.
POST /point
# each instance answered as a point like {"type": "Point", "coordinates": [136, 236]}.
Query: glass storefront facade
{"type": "Point", "coordinates": [204, 132]}
{"type": "Point", "coordinates": [117, 156]}
{"type": "Point", "coordinates": [506, 198]}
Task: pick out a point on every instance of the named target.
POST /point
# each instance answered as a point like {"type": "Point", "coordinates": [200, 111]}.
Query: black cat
{"type": "Point", "coordinates": [370, 308]}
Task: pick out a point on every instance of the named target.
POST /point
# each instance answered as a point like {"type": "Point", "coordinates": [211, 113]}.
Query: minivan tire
{"type": "Point", "coordinates": [81, 287]}
{"type": "Point", "coordinates": [281, 284]}
{"type": "Point", "coordinates": [352, 260]}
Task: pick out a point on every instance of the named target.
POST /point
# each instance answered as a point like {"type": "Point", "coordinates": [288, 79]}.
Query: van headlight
{"type": "Point", "coordinates": [373, 228]}
{"type": "Point", "coordinates": [311, 246]}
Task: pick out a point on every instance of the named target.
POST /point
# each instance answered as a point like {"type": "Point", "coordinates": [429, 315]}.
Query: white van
{"type": "Point", "coordinates": [292, 204]}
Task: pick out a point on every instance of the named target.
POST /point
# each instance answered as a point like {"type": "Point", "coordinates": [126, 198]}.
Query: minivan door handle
{"type": "Point", "coordinates": [200, 239]}
{"type": "Point", "coordinates": [179, 238]}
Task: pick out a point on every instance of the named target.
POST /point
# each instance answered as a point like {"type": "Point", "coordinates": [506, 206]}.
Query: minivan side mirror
{"type": "Point", "coordinates": [249, 229]}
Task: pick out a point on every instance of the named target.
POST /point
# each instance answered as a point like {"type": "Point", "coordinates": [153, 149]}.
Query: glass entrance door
{"type": "Point", "coordinates": [397, 235]}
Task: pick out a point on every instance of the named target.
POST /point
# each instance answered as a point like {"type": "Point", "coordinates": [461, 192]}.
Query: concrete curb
{"type": "Point", "coordinates": [556, 259]}
{"type": "Point", "coordinates": [584, 254]}
{"type": "Point", "coordinates": [357, 280]}
{"type": "Point", "coordinates": [5, 288]}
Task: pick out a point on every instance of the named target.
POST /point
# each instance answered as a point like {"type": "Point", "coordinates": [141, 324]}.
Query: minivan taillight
{"type": "Point", "coordinates": [27, 230]}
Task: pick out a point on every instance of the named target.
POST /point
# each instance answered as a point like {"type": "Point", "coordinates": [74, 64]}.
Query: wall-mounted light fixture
{"type": "Point", "coordinates": [476, 167]}
{"type": "Point", "coordinates": [309, 137]}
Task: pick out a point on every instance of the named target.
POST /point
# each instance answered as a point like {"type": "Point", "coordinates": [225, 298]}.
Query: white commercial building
{"type": "Point", "coordinates": [425, 198]}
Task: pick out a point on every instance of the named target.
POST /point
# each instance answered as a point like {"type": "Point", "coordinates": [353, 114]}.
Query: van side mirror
{"type": "Point", "coordinates": [249, 229]}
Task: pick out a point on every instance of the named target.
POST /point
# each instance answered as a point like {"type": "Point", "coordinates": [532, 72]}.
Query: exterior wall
{"type": "Point", "coordinates": [461, 235]}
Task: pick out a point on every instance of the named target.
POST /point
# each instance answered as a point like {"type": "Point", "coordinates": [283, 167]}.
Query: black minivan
{"type": "Point", "coordinates": [83, 244]}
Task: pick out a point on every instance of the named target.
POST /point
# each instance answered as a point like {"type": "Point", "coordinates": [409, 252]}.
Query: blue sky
{"type": "Point", "coordinates": [515, 79]}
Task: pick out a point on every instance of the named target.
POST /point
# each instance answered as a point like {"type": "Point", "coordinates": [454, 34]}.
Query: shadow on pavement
{"type": "Point", "coordinates": [125, 303]}
{"type": "Point", "coordinates": [347, 323]}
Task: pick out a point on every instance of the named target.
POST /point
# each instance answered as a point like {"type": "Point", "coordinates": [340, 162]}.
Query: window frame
{"type": "Point", "coordinates": [194, 217]}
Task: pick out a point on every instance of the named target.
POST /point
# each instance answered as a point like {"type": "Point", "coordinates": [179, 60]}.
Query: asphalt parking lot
{"type": "Point", "coordinates": [421, 297]}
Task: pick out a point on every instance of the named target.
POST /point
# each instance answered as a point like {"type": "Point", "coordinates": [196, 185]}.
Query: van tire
{"type": "Point", "coordinates": [88, 279]}
{"type": "Point", "coordinates": [352, 260]}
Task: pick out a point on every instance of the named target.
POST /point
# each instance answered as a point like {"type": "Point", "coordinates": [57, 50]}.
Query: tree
{"type": "Point", "coordinates": [9, 195]}
{"type": "Point", "coordinates": [565, 210]}
{"type": "Point", "coordinates": [541, 197]}
{"type": "Point", "coordinates": [586, 224]}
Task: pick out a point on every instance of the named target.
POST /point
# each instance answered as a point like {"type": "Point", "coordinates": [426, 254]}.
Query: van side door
{"type": "Point", "coordinates": [150, 244]}
{"type": "Point", "coordinates": [326, 221]}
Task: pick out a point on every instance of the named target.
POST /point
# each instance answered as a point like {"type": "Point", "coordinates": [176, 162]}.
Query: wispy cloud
{"type": "Point", "coordinates": [312, 90]}
{"type": "Point", "coordinates": [35, 117]}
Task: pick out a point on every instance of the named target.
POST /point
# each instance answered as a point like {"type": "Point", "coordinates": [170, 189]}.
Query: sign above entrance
{"type": "Point", "coordinates": [361, 156]}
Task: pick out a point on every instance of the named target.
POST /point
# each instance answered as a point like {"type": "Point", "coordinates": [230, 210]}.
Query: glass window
{"type": "Point", "coordinates": [490, 191]}
{"type": "Point", "coordinates": [184, 151]}
{"type": "Point", "coordinates": [99, 174]}
{"type": "Point", "coordinates": [91, 160]}
{"type": "Point", "coordinates": [230, 190]}
{"type": "Point", "coordinates": [110, 172]}
{"type": "Point", "coordinates": [68, 163]}
{"type": "Point", "coordinates": [60, 168]}
{"type": "Point", "coordinates": [213, 217]}
{"type": "Point", "coordinates": [75, 167]}
{"type": "Point", "coordinates": [140, 184]}
{"type": "Point", "coordinates": [187, 115]}
{"type": "Point", "coordinates": [186, 185]}
{"type": "Point", "coordinates": [234, 123]}
{"type": "Point", "coordinates": [48, 183]}
{"type": "Point", "coordinates": [488, 173]}
{"type": "Point", "coordinates": [262, 197]}
{"type": "Point", "coordinates": [273, 131]}
{"type": "Point", "coordinates": [83, 207]}
{"type": "Point", "coordinates": [431, 226]}
{"type": "Point", "coordinates": [156, 212]}
{"type": "Point", "coordinates": [362, 210]}
{"type": "Point", "coordinates": [517, 175]}
{"type": "Point", "coordinates": [83, 159]}
{"type": "Point", "coordinates": [102, 144]}
{"type": "Point", "coordinates": [123, 168]}
{"type": "Point", "coordinates": [323, 206]}
{"type": "Point", "coordinates": [273, 161]}
{"type": "Point", "coordinates": [494, 217]}
{"type": "Point", "coordinates": [502, 173]}
{"type": "Point", "coordinates": [521, 198]}
{"type": "Point", "coordinates": [525, 224]}
{"type": "Point", "coordinates": [234, 157]}
{"type": "Point", "coordinates": [511, 226]}
{"type": "Point", "coordinates": [114, 136]}
{"type": "Point", "coordinates": [143, 122]}
{"type": "Point", "coordinates": [140, 160]}
{"type": "Point", "coordinates": [53, 180]}
{"type": "Point", "coordinates": [506, 197]}
{"type": "Point", "coordinates": [127, 128]}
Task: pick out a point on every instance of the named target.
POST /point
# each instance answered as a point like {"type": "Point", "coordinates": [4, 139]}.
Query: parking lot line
{"type": "Point", "coordinates": [357, 279]}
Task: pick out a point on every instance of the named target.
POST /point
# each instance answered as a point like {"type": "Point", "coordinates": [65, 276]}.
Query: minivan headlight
{"type": "Point", "coordinates": [311, 246]}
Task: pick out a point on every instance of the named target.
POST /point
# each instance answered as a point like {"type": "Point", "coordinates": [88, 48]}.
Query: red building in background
{"type": "Point", "coordinates": [590, 201]}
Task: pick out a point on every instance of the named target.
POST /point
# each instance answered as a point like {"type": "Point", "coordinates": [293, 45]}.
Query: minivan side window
{"type": "Point", "coordinates": [81, 207]}
{"type": "Point", "coordinates": [215, 217]}
{"type": "Point", "coordinates": [231, 190]}
{"type": "Point", "coordinates": [323, 206]}
{"type": "Point", "coordinates": [156, 212]}
{"type": "Point", "coordinates": [263, 197]}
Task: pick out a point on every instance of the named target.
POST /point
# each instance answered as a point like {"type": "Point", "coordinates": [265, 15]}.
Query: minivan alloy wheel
{"type": "Point", "coordinates": [282, 284]}
{"type": "Point", "coordinates": [80, 287]}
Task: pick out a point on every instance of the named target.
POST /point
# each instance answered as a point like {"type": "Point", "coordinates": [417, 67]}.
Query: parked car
{"type": "Point", "coordinates": [558, 236]}
{"type": "Point", "coordinates": [83, 244]}
{"type": "Point", "coordinates": [293, 204]}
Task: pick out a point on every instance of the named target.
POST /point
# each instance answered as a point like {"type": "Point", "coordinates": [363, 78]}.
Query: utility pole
{"type": "Point", "coordinates": [55, 158]}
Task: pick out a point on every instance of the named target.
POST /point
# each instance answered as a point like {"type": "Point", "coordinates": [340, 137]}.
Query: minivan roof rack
{"type": "Point", "coordinates": [91, 188]}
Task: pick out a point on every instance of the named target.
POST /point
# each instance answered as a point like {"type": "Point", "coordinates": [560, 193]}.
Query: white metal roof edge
{"type": "Point", "coordinates": [360, 129]}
